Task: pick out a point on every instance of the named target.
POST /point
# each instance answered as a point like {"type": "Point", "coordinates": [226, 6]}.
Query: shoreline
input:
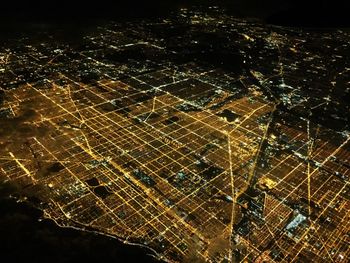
{"type": "Point", "coordinates": [32, 230]}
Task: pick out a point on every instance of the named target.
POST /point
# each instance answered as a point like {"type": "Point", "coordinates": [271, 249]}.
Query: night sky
{"type": "Point", "coordinates": [291, 12]}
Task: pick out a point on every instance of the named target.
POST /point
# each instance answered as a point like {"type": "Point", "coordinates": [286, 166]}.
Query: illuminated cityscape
{"type": "Point", "coordinates": [203, 137]}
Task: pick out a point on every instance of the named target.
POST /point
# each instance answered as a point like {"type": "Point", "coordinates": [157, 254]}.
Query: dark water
{"type": "Point", "coordinates": [24, 237]}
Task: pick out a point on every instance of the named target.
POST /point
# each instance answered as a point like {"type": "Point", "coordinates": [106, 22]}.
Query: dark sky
{"type": "Point", "coordinates": [298, 9]}
{"type": "Point", "coordinates": [19, 16]}
{"type": "Point", "coordinates": [116, 8]}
